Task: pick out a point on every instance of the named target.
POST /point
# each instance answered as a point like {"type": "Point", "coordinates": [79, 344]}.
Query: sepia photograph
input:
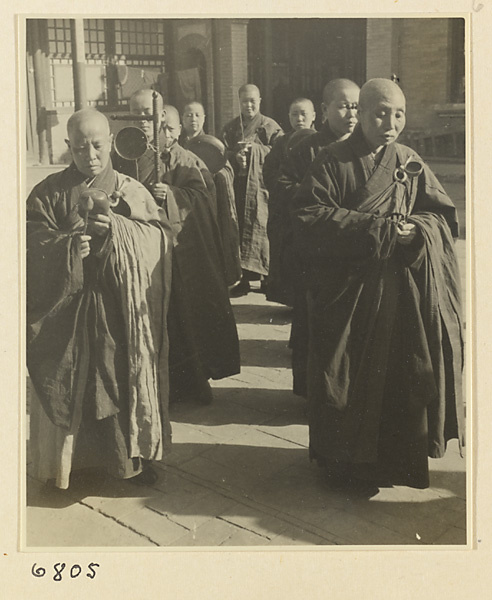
{"type": "Point", "coordinates": [245, 294]}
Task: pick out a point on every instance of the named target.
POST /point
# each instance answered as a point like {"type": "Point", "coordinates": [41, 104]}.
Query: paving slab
{"type": "Point", "coordinates": [160, 529]}
{"type": "Point", "coordinates": [212, 533]}
{"type": "Point", "coordinates": [205, 508]}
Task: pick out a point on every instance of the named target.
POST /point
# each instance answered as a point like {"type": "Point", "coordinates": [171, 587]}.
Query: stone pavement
{"type": "Point", "coordinates": [239, 475]}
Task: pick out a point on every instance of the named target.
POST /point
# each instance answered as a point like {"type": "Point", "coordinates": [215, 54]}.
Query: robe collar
{"type": "Point", "coordinates": [387, 160]}
{"type": "Point", "coordinates": [380, 191]}
{"type": "Point", "coordinates": [250, 127]}
{"type": "Point", "coordinates": [105, 180]}
{"type": "Point", "coordinates": [184, 138]}
{"type": "Point", "coordinates": [167, 154]}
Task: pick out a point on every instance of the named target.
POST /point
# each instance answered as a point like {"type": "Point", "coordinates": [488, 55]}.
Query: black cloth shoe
{"type": "Point", "coordinates": [147, 477]}
{"type": "Point", "coordinates": [241, 289]}
{"type": "Point", "coordinates": [206, 395]}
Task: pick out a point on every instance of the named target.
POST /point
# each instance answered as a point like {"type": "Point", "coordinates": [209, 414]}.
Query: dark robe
{"type": "Point", "coordinates": [202, 330]}
{"type": "Point", "coordinates": [142, 169]}
{"type": "Point", "coordinates": [228, 223]}
{"type": "Point", "coordinates": [97, 347]}
{"type": "Point", "coordinates": [293, 170]}
{"type": "Point", "coordinates": [184, 139]}
{"type": "Point", "coordinates": [226, 216]}
{"type": "Point", "coordinates": [302, 155]}
{"type": "Point", "coordinates": [386, 339]}
{"type": "Point", "coordinates": [250, 191]}
{"type": "Point", "coordinates": [280, 282]}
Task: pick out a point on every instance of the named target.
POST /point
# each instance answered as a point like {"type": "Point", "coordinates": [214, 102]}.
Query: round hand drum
{"type": "Point", "coordinates": [211, 150]}
{"type": "Point", "coordinates": [298, 136]}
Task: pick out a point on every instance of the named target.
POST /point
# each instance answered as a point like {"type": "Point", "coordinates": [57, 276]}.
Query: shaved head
{"type": "Point", "coordinates": [145, 98]}
{"type": "Point", "coordinates": [340, 102]}
{"type": "Point", "coordinates": [301, 113]}
{"type": "Point", "coordinates": [142, 104]}
{"type": "Point", "coordinates": [376, 89]}
{"type": "Point", "coordinates": [305, 101]}
{"type": "Point", "coordinates": [89, 140]}
{"type": "Point", "coordinates": [194, 106]}
{"type": "Point", "coordinates": [170, 114]}
{"type": "Point", "coordinates": [382, 115]}
{"type": "Point", "coordinates": [249, 100]}
{"type": "Point", "coordinates": [335, 86]}
{"type": "Point", "coordinates": [87, 118]}
{"type": "Point", "coordinates": [193, 119]}
{"type": "Point", "coordinates": [249, 88]}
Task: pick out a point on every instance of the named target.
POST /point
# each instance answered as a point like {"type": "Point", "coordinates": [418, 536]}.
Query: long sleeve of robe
{"type": "Point", "coordinates": [386, 341]}
{"type": "Point", "coordinates": [250, 191]}
{"type": "Point", "coordinates": [97, 335]}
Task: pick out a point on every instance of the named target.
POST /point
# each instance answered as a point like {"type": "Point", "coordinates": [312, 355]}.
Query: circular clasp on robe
{"type": "Point", "coordinates": [400, 175]}
{"type": "Point", "coordinates": [413, 167]}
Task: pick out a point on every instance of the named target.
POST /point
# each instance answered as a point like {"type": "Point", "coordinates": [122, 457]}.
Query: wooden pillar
{"type": "Point", "coordinates": [78, 63]}
{"type": "Point", "coordinates": [38, 62]}
{"type": "Point", "coordinates": [111, 69]}
{"type": "Point", "coordinates": [216, 78]}
{"type": "Point", "coordinates": [170, 97]}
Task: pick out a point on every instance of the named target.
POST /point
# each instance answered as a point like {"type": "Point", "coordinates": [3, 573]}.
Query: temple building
{"type": "Point", "coordinates": [73, 63]}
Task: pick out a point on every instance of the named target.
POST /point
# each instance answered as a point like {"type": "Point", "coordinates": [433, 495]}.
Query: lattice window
{"type": "Point", "coordinates": [94, 36]}
{"type": "Point", "coordinates": [59, 37]}
{"type": "Point", "coordinates": [60, 54]}
{"type": "Point", "coordinates": [136, 51]}
{"type": "Point", "coordinates": [139, 37]}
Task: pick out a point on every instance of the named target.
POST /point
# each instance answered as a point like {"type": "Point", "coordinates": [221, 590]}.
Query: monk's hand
{"type": "Point", "coordinates": [160, 191]}
{"type": "Point", "coordinates": [406, 233]}
{"type": "Point", "coordinates": [81, 245]}
{"type": "Point", "coordinates": [98, 225]}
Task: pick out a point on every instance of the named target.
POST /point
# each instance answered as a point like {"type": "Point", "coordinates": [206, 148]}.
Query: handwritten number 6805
{"type": "Point", "coordinates": [75, 571]}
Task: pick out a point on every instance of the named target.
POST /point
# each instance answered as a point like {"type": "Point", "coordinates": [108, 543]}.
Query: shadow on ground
{"type": "Point", "coordinates": [268, 491]}
{"type": "Point", "coordinates": [262, 314]}
{"type": "Point", "coordinates": [242, 406]}
{"type": "Point", "coordinates": [265, 353]}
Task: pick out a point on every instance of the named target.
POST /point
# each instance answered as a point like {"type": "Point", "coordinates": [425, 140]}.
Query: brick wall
{"type": "Point", "coordinates": [417, 51]}
{"type": "Point", "coordinates": [381, 48]}
{"type": "Point", "coordinates": [231, 67]}
{"type": "Point", "coordinates": [424, 68]}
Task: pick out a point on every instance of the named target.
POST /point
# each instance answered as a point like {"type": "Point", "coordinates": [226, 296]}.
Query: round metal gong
{"type": "Point", "coordinates": [130, 143]}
